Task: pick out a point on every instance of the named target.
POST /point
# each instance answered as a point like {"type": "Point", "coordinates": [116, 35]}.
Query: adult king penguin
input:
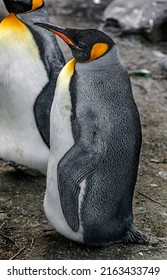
{"type": "Point", "coordinates": [30, 61]}
{"type": "Point", "coordinates": [94, 156]}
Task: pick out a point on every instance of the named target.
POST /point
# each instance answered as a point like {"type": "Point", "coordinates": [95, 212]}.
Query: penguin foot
{"type": "Point", "coordinates": [22, 168]}
{"type": "Point", "coordinates": [9, 163]}
{"type": "Point", "coordinates": [133, 235]}
{"type": "Point", "coordinates": [27, 171]}
{"type": "Point", "coordinates": [15, 165]}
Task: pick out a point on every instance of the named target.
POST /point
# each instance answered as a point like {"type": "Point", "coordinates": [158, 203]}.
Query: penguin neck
{"type": "Point", "coordinates": [111, 57]}
{"type": "Point", "coordinates": [35, 16]}
{"type": "Point", "coordinates": [11, 21]}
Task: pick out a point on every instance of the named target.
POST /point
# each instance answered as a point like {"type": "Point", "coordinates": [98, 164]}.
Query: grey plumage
{"type": "Point", "coordinates": [106, 152]}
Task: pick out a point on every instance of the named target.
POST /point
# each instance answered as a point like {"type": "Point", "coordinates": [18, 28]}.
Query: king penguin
{"type": "Point", "coordinates": [91, 179]}
{"type": "Point", "coordinates": [30, 61]}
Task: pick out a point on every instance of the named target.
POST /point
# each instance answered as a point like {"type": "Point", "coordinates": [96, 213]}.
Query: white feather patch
{"type": "Point", "coordinates": [22, 77]}
{"type": "Point", "coordinates": [61, 141]}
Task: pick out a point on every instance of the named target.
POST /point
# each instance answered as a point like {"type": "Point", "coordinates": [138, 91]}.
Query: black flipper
{"type": "Point", "coordinates": [81, 160]}
{"type": "Point", "coordinates": [53, 60]}
{"type": "Point", "coordinates": [42, 108]}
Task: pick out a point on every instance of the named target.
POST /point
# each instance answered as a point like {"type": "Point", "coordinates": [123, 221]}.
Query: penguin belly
{"type": "Point", "coordinates": [22, 78]}
{"type": "Point", "coordinates": [61, 140]}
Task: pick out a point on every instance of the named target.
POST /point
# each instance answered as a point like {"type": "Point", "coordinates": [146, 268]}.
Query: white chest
{"type": "Point", "coordinates": [22, 78]}
{"type": "Point", "coordinates": [61, 141]}
{"type": "Point", "coordinates": [61, 130]}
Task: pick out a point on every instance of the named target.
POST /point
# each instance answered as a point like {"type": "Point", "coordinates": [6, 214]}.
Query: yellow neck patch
{"type": "Point", "coordinates": [12, 22]}
{"type": "Point", "coordinates": [98, 50]}
{"type": "Point", "coordinates": [70, 66]}
{"type": "Point", "coordinates": [62, 86]}
{"type": "Point", "coordinates": [36, 4]}
{"type": "Point", "coordinates": [16, 37]}
{"type": "Point", "coordinates": [67, 71]}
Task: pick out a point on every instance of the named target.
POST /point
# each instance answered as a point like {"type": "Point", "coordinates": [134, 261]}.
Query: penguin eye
{"type": "Point", "coordinates": [82, 45]}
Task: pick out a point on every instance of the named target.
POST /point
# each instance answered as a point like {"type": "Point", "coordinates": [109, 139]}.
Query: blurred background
{"type": "Point", "coordinates": [139, 28]}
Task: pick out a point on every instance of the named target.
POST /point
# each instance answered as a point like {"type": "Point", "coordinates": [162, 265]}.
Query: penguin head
{"type": "Point", "coordinates": [85, 44]}
{"type": "Point", "coordinates": [22, 6]}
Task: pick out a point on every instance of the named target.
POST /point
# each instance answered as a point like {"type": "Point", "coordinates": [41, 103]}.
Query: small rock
{"type": "Point", "coordinates": [164, 64]}
{"type": "Point", "coordinates": [155, 160]}
{"type": "Point", "coordinates": [141, 254]}
{"type": "Point", "coordinates": [153, 185]}
{"type": "Point", "coordinates": [97, 1]}
{"type": "Point", "coordinates": [146, 19]}
{"type": "Point", "coordinates": [163, 174]}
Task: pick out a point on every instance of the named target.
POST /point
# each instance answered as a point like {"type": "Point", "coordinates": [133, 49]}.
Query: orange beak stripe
{"type": "Point", "coordinates": [65, 38]}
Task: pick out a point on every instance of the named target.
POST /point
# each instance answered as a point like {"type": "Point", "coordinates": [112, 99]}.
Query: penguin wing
{"type": "Point", "coordinates": [80, 161]}
{"type": "Point", "coordinates": [53, 60]}
{"type": "Point", "coordinates": [42, 108]}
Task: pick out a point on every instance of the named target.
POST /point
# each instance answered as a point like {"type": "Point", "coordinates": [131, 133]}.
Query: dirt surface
{"type": "Point", "coordinates": [25, 232]}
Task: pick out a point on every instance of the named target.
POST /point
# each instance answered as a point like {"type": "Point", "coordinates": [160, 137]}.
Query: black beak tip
{"type": "Point", "coordinates": [38, 23]}
{"type": "Point", "coordinates": [43, 25]}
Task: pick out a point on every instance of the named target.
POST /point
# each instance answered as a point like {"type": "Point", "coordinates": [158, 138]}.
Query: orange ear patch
{"type": "Point", "coordinates": [36, 4]}
{"type": "Point", "coordinates": [98, 50]}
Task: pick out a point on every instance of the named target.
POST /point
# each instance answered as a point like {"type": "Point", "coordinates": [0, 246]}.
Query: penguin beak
{"type": "Point", "coordinates": [63, 33]}
{"type": "Point", "coordinates": [72, 37]}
